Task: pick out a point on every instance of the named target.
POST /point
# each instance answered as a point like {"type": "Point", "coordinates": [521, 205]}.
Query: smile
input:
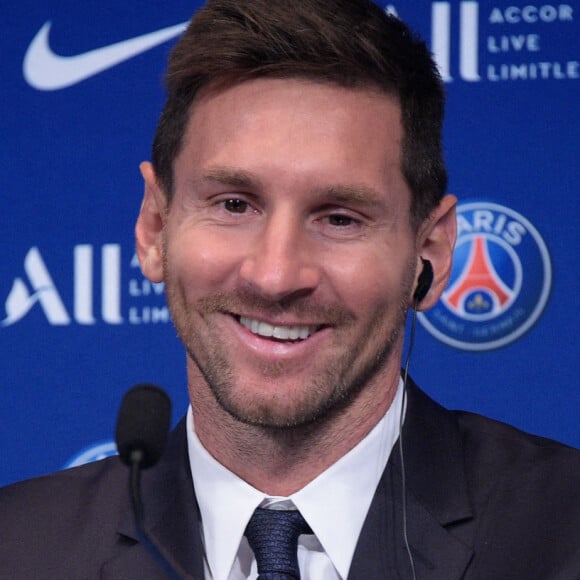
{"type": "Point", "coordinates": [280, 332]}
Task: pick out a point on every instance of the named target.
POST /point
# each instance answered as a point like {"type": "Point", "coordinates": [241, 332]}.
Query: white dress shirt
{"type": "Point", "coordinates": [335, 505]}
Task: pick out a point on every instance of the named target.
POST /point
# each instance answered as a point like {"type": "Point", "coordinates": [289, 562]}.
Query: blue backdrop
{"type": "Point", "coordinates": [78, 322]}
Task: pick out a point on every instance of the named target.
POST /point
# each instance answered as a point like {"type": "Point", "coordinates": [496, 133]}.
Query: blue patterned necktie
{"type": "Point", "coordinates": [273, 537]}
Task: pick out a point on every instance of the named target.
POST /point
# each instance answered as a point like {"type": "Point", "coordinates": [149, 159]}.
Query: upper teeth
{"type": "Point", "coordinates": [281, 332]}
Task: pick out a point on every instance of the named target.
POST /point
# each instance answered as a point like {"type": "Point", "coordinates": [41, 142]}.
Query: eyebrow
{"type": "Point", "coordinates": [356, 193]}
{"type": "Point", "coordinates": [227, 176]}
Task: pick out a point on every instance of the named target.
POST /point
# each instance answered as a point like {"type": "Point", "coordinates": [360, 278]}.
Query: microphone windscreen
{"type": "Point", "coordinates": [143, 424]}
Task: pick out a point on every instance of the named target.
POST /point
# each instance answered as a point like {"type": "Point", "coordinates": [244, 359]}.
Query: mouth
{"type": "Point", "coordinates": [263, 329]}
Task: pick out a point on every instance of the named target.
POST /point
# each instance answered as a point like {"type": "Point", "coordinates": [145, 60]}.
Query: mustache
{"type": "Point", "coordinates": [243, 302]}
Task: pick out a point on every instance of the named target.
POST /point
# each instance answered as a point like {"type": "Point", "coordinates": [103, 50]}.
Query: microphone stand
{"type": "Point", "coordinates": [135, 459]}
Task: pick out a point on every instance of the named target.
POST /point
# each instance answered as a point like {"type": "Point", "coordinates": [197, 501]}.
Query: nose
{"type": "Point", "coordinates": [281, 261]}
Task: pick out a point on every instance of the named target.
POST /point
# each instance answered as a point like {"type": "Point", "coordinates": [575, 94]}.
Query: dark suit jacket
{"type": "Point", "coordinates": [484, 501]}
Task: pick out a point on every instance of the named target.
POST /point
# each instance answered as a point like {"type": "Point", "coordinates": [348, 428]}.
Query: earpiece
{"type": "Point", "coordinates": [424, 282]}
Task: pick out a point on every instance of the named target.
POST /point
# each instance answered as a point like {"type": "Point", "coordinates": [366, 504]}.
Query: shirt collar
{"type": "Point", "coordinates": [226, 503]}
{"type": "Point", "coordinates": [335, 504]}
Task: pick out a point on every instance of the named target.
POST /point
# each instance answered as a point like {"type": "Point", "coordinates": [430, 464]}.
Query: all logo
{"type": "Point", "coordinates": [38, 287]}
{"type": "Point", "coordinates": [472, 41]}
{"type": "Point", "coordinates": [500, 281]}
{"type": "Point", "coordinates": [93, 283]}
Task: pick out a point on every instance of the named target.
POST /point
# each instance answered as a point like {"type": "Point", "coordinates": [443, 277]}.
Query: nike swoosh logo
{"type": "Point", "coordinates": [46, 71]}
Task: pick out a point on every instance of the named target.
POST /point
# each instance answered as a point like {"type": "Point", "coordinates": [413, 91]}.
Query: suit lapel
{"type": "Point", "coordinates": [171, 520]}
{"type": "Point", "coordinates": [438, 509]}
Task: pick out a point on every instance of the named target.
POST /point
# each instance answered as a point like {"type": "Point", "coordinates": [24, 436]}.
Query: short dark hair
{"type": "Point", "coordinates": [351, 43]}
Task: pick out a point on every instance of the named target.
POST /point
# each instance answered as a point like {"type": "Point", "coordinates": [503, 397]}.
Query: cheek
{"type": "Point", "coordinates": [370, 282]}
{"type": "Point", "coordinates": [200, 258]}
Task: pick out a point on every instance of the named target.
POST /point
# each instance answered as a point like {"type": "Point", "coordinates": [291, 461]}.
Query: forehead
{"type": "Point", "coordinates": [282, 128]}
{"type": "Point", "coordinates": [220, 105]}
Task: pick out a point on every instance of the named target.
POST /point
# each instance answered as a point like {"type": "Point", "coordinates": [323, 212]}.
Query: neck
{"type": "Point", "coordinates": [280, 462]}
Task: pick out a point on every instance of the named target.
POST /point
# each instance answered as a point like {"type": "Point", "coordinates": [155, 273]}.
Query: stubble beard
{"type": "Point", "coordinates": [334, 385]}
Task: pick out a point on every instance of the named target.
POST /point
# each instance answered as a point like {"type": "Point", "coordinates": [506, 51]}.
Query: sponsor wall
{"type": "Point", "coordinates": [79, 324]}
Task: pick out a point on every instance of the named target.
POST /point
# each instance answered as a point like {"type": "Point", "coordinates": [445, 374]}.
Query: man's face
{"type": "Point", "coordinates": [288, 252]}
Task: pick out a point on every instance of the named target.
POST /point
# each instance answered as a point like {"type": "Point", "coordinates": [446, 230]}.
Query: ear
{"type": "Point", "coordinates": [149, 227]}
{"type": "Point", "coordinates": [435, 242]}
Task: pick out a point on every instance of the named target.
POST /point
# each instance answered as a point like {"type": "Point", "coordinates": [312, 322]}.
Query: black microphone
{"type": "Point", "coordinates": [143, 425]}
{"type": "Point", "coordinates": [141, 434]}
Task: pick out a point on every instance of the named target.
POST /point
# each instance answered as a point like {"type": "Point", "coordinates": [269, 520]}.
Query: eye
{"type": "Point", "coordinates": [236, 205]}
{"type": "Point", "coordinates": [340, 220]}
{"type": "Point", "coordinates": [341, 223]}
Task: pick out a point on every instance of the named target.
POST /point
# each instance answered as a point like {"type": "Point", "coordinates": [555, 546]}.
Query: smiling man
{"type": "Point", "coordinates": [295, 208]}
{"type": "Point", "coordinates": [290, 257]}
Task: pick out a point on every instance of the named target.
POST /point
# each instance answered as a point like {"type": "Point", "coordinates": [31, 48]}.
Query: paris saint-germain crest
{"type": "Point", "coordinates": [500, 281]}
